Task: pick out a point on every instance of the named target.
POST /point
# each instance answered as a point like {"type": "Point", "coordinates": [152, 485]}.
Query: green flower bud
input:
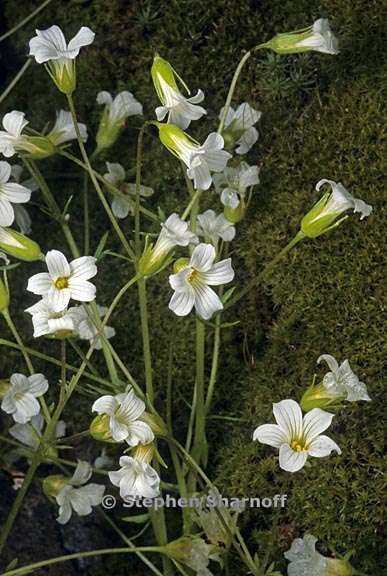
{"type": "Point", "coordinates": [338, 567]}
{"type": "Point", "coordinates": [316, 397]}
{"type": "Point", "coordinates": [19, 246]}
{"type": "Point", "coordinates": [318, 37]}
{"type": "Point", "coordinates": [108, 131]}
{"type": "Point", "coordinates": [53, 484]}
{"type": "Point", "coordinates": [4, 387]}
{"type": "Point", "coordinates": [4, 296]}
{"type": "Point", "coordinates": [100, 429]}
{"type": "Point", "coordinates": [156, 424]}
{"type": "Point", "coordinates": [162, 71]}
{"type": "Point", "coordinates": [180, 264]}
{"type": "Point", "coordinates": [63, 73]}
{"type": "Point", "coordinates": [235, 215]}
{"type": "Point", "coordinates": [38, 147]}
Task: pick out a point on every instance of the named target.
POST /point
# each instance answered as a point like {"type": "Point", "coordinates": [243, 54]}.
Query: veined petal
{"type": "Point", "coordinates": [120, 207]}
{"type": "Point", "coordinates": [15, 193]}
{"type": "Point", "coordinates": [161, 112]}
{"type": "Point", "coordinates": [37, 384]}
{"type": "Point", "coordinates": [322, 446]}
{"type": "Point", "coordinates": [330, 360]}
{"type": "Point", "coordinates": [82, 290]}
{"type": "Point", "coordinates": [139, 433]}
{"type": "Point", "coordinates": [315, 422]}
{"type": "Point", "coordinates": [288, 415]}
{"type": "Point", "coordinates": [203, 257]}
{"type": "Point", "coordinates": [118, 429]}
{"type": "Point", "coordinates": [290, 460]}
{"type": "Point", "coordinates": [48, 44]}
{"type": "Point", "coordinates": [270, 434]}
{"type": "Point", "coordinates": [83, 268]}
{"type": "Point", "coordinates": [57, 264]}
{"type": "Point", "coordinates": [179, 281]}
{"type": "Point", "coordinates": [247, 140]}
{"type": "Point", "coordinates": [199, 172]}
{"type": "Point", "coordinates": [6, 212]}
{"type": "Point", "coordinates": [14, 122]}
{"type": "Point", "coordinates": [182, 303]}
{"type": "Point", "coordinates": [207, 302]}
{"type": "Point", "coordinates": [214, 141]}
{"type": "Point", "coordinates": [220, 273]}
{"type": "Point", "coordinates": [58, 299]}
{"type": "Point", "coordinates": [26, 407]}
{"type": "Point", "coordinates": [5, 172]}
{"type": "Point", "coordinates": [39, 284]}
{"type": "Point", "coordinates": [81, 473]}
{"type": "Point", "coordinates": [131, 408]}
{"type": "Point", "coordinates": [84, 37]}
{"type": "Point", "coordinates": [105, 405]}
{"type": "Point", "coordinates": [104, 97]}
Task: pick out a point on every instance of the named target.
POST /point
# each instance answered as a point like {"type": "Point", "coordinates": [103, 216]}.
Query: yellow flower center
{"type": "Point", "coordinates": [297, 445]}
{"type": "Point", "coordinates": [191, 276]}
{"type": "Point", "coordinates": [61, 283]}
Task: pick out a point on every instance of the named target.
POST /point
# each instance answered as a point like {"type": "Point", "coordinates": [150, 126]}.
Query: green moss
{"type": "Point", "coordinates": [322, 117]}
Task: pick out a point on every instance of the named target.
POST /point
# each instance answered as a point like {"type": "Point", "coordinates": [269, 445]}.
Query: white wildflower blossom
{"type": "Point", "coordinates": [122, 207]}
{"type": "Point", "coordinates": [295, 436]}
{"type": "Point", "coordinates": [115, 113]}
{"type": "Point", "coordinates": [30, 433]}
{"type": "Point", "coordinates": [125, 411]}
{"type": "Point", "coordinates": [233, 183]}
{"type": "Point", "coordinates": [64, 280]}
{"type": "Point", "coordinates": [306, 561]}
{"type": "Point", "coordinates": [10, 193]}
{"type": "Point", "coordinates": [20, 400]}
{"type": "Point", "coordinates": [213, 226]}
{"type": "Point", "coordinates": [342, 382]}
{"type": "Point", "coordinates": [136, 478]}
{"type": "Point", "coordinates": [320, 38]}
{"type": "Point", "coordinates": [64, 131]}
{"type": "Point", "coordinates": [87, 329]}
{"type": "Point", "coordinates": [239, 126]}
{"type": "Point", "coordinates": [48, 322]}
{"type": "Point", "coordinates": [192, 284]}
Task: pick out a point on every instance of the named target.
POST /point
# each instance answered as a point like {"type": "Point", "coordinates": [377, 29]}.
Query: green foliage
{"type": "Point", "coordinates": [322, 117]}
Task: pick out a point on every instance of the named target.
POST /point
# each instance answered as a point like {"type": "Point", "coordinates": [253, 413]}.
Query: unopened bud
{"type": "Point", "coordinates": [19, 246]}
{"type": "Point", "coordinates": [100, 429]}
{"type": "Point", "coordinates": [53, 484]}
{"type": "Point", "coordinates": [4, 296]}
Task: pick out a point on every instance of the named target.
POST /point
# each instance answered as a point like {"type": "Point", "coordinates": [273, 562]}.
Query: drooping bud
{"type": "Point", "coordinates": [114, 116]}
{"type": "Point", "coordinates": [100, 429]}
{"type": "Point", "coordinates": [318, 37]}
{"type": "Point", "coordinates": [38, 147]}
{"type": "Point", "coordinates": [19, 246]}
{"type": "Point", "coordinates": [52, 485]}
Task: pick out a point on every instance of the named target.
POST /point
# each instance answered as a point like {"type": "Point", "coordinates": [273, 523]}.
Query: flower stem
{"type": "Point", "coordinates": [16, 79]}
{"type": "Point", "coordinates": [25, 20]}
{"type": "Point", "coordinates": [94, 180]}
{"type": "Point", "coordinates": [253, 283]}
{"type": "Point", "coordinates": [199, 443]}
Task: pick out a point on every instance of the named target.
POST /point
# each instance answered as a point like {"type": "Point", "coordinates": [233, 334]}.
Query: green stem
{"type": "Point", "coordinates": [105, 346]}
{"type": "Point", "coordinates": [25, 20]}
{"type": "Point", "coordinates": [145, 338]}
{"type": "Point", "coordinates": [253, 283]}
{"type": "Point", "coordinates": [199, 442]}
{"type": "Point", "coordinates": [94, 180]}
{"type": "Point", "coordinates": [53, 206]}
{"type": "Point", "coordinates": [16, 79]}
{"type": "Point", "coordinates": [215, 364]}
{"type": "Point", "coordinates": [193, 202]}
{"type": "Point", "coordinates": [86, 216]}
{"type": "Point", "coordinates": [102, 552]}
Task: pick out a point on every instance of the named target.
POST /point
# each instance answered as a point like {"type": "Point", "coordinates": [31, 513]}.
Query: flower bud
{"type": "Point", "coordinates": [318, 37]}
{"type": "Point", "coordinates": [180, 264]}
{"type": "Point", "coordinates": [156, 423]}
{"type": "Point", "coordinates": [100, 429]}
{"type": "Point", "coordinates": [38, 147]}
{"type": "Point", "coordinates": [63, 73]}
{"type": "Point", "coordinates": [4, 387]}
{"type": "Point", "coordinates": [108, 131]}
{"type": "Point", "coordinates": [19, 246]}
{"type": "Point", "coordinates": [4, 296]}
{"type": "Point", "coordinates": [316, 397]}
{"type": "Point", "coordinates": [235, 215]}
{"type": "Point", "coordinates": [338, 567]}
{"type": "Point", "coordinates": [53, 484]}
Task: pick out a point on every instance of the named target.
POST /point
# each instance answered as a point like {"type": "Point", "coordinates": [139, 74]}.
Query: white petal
{"type": "Point", "coordinates": [203, 257]}
{"type": "Point", "coordinates": [49, 44]}
{"type": "Point", "coordinates": [270, 434]}
{"type": "Point", "coordinates": [105, 405]}
{"type": "Point", "coordinates": [37, 384]}
{"type": "Point", "coordinates": [182, 303]}
{"type": "Point", "coordinates": [139, 433]}
{"type": "Point", "coordinates": [161, 112]}
{"type": "Point", "coordinates": [5, 172]}
{"type": "Point", "coordinates": [290, 460]}
{"type": "Point", "coordinates": [84, 37]}
{"type": "Point", "coordinates": [6, 212]}
{"type": "Point", "coordinates": [330, 360]}
{"type": "Point", "coordinates": [58, 299]}
{"type": "Point", "coordinates": [322, 446]}
{"type": "Point", "coordinates": [207, 302]}
{"type": "Point", "coordinates": [220, 273]}
{"type": "Point", "coordinates": [247, 140]}
{"type": "Point", "coordinates": [39, 284]}
{"type": "Point", "coordinates": [14, 122]}
{"type": "Point", "coordinates": [120, 207]}
{"type": "Point", "coordinates": [214, 141]}
{"type": "Point", "coordinates": [83, 268]}
{"type": "Point", "coordinates": [118, 429]}
{"type": "Point", "coordinates": [65, 512]}
{"type": "Point", "coordinates": [288, 415]}
{"type": "Point", "coordinates": [315, 422]}
{"type": "Point", "coordinates": [82, 290]}
{"type": "Point", "coordinates": [131, 407]}
{"type": "Point", "coordinates": [81, 473]}
{"type": "Point", "coordinates": [26, 407]}
{"type": "Point", "coordinates": [199, 172]}
{"type": "Point", "coordinates": [57, 264]}
{"type": "Point", "coordinates": [104, 97]}
{"type": "Point", "coordinates": [15, 193]}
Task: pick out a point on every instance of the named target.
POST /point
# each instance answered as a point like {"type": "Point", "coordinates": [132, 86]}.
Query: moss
{"type": "Point", "coordinates": [322, 117]}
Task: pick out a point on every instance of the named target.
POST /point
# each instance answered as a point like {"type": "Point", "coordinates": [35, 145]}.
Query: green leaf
{"type": "Point", "coordinates": [138, 519]}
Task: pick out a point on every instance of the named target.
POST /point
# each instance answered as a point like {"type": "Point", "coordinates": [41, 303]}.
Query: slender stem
{"type": "Point", "coordinates": [62, 370]}
{"type": "Point", "coordinates": [268, 268]}
{"type": "Point", "coordinates": [145, 338]}
{"type": "Point", "coordinates": [232, 90]}
{"type": "Point", "coordinates": [53, 206]}
{"type": "Point", "coordinates": [200, 433]}
{"type": "Point", "coordinates": [25, 20]}
{"type": "Point", "coordinates": [140, 141]}
{"type": "Point", "coordinates": [192, 203]}
{"type": "Point", "coordinates": [94, 180]}
{"type": "Point", "coordinates": [105, 346]}
{"type": "Point", "coordinates": [86, 216]}
{"type": "Point", "coordinates": [125, 371]}
{"type": "Point", "coordinates": [16, 79]}
{"type": "Point", "coordinates": [16, 335]}
{"type": "Point", "coordinates": [102, 552]}
{"type": "Point", "coordinates": [215, 364]}
{"type": "Point", "coordinates": [80, 353]}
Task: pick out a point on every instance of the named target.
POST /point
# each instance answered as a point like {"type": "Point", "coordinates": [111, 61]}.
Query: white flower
{"type": "Point", "coordinates": [10, 193]}
{"type": "Point", "coordinates": [214, 226]}
{"type": "Point", "coordinates": [342, 381]}
{"type": "Point", "coordinates": [174, 232]}
{"type": "Point", "coordinates": [20, 398]}
{"type": "Point", "coordinates": [200, 160]}
{"type": "Point", "coordinates": [22, 217]}
{"type": "Point", "coordinates": [192, 284]}
{"type": "Point", "coordinates": [86, 328]}
{"type": "Point", "coordinates": [194, 552]}
{"type": "Point", "coordinates": [320, 38]}
{"type": "Point", "coordinates": [116, 111]}
{"type": "Point", "coordinates": [30, 434]}
{"type": "Point", "coordinates": [64, 280]}
{"type": "Point", "coordinates": [136, 478]}
{"type": "Point", "coordinates": [46, 321]}
{"type": "Point", "coordinates": [64, 131]}
{"type": "Point", "coordinates": [121, 206]}
{"type": "Point", "coordinates": [180, 110]}
{"type": "Point", "coordinates": [50, 46]}
{"type": "Point", "coordinates": [74, 496]}
{"type": "Point", "coordinates": [304, 559]}
{"type": "Point", "coordinates": [103, 461]}
{"type": "Point", "coordinates": [120, 107]}
{"type": "Point", "coordinates": [232, 183]}
{"type": "Point", "coordinates": [330, 210]}
{"type": "Point", "coordinates": [125, 411]}
{"type": "Point", "coordinates": [239, 124]}
{"type": "Point", "coordinates": [11, 138]}
{"type": "Point", "coordinates": [295, 436]}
